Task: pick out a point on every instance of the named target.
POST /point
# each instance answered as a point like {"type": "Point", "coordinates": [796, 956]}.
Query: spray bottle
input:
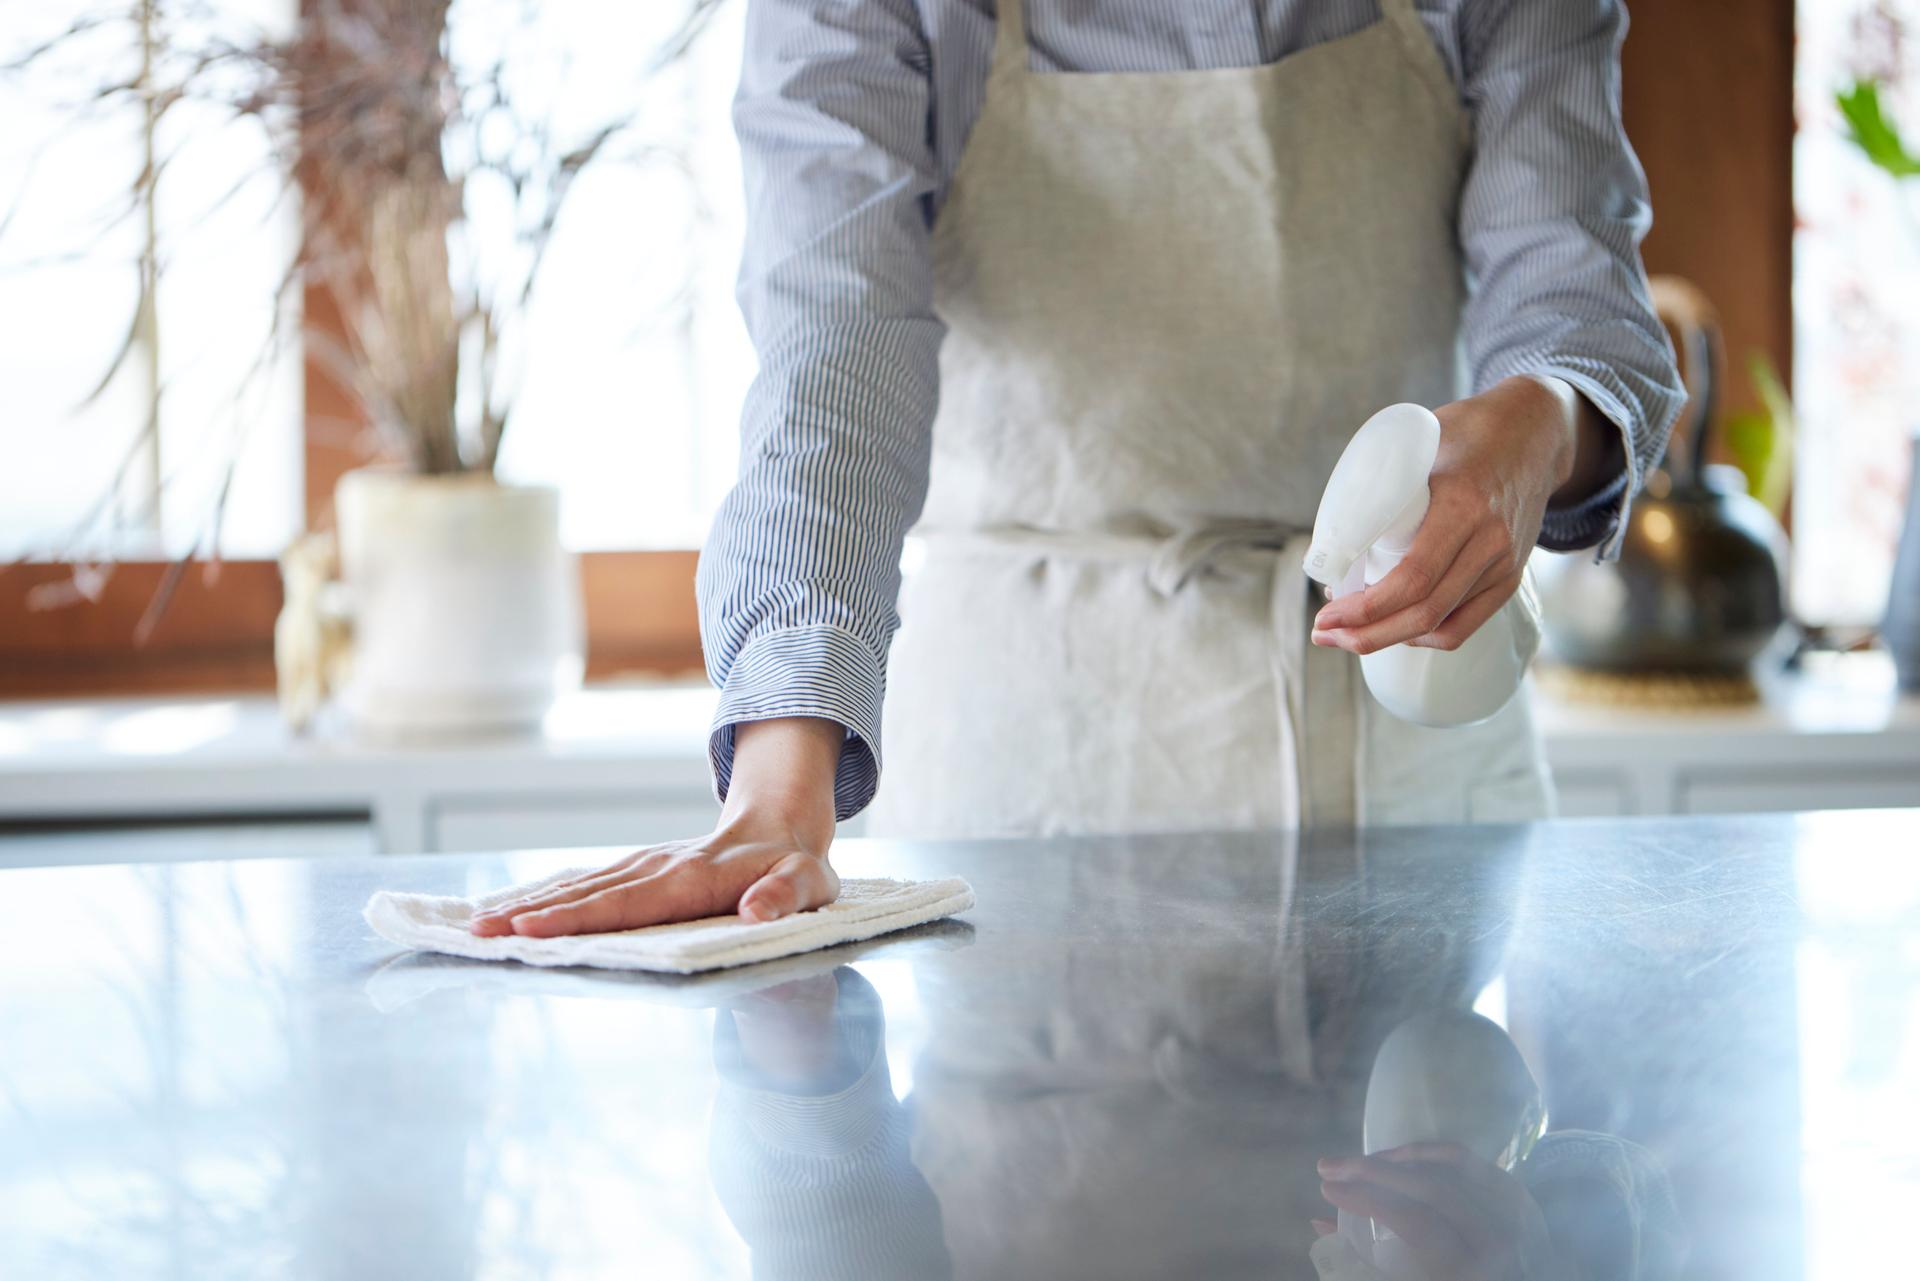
{"type": "Point", "coordinates": [1371, 509]}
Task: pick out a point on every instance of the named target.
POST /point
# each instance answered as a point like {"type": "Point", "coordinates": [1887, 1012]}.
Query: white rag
{"type": "Point", "coordinates": [865, 908]}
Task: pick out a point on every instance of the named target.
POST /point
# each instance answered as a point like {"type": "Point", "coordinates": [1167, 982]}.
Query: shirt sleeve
{"type": "Point", "coordinates": [799, 577]}
{"type": "Point", "coordinates": [1552, 213]}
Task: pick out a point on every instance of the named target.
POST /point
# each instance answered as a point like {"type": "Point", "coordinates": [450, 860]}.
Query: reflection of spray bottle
{"type": "Point", "coordinates": [1372, 507]}
{"type": "Point", "coordinates": [1443, 1077]}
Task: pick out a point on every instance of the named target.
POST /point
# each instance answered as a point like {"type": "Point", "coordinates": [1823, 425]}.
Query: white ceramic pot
{"type": "Point", "coordinates": [465, 608]}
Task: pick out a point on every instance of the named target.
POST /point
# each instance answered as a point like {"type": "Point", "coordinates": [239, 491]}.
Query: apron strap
{"type": "Point", "coordinates": [1320, 703]}
{"type": "Point", "coordinates": [1010, 38]}
{"type": "Point", "coordinates": [1417, 43]}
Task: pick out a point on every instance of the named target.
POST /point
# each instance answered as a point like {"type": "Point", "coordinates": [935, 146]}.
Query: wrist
{"type": "Point", "coordinates": [1587, 449]}
{"type": "Point", "coordinates": [1551, 409]}
{"type": "Point", "coordinates": [783, 777]}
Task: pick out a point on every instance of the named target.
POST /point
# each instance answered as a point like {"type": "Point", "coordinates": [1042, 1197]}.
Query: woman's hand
{"type": "Point", "coordinates": [1504, 455]}
{"type": "Point", "coordinates": [766, 859]}
{"type": "Point", "coordinates": [1463, 1219]}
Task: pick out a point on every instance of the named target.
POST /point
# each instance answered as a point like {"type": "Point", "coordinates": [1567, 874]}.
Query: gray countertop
{"type": "Point", "coordinates": [1122, 1063]}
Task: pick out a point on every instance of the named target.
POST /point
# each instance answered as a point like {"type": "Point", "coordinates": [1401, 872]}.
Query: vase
{"type": "Point", "coordinates": [465, 608]}
{"type": "Point", "coordinates": [1901, 630]}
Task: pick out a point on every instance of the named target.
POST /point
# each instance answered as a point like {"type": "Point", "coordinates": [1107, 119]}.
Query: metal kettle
{"type": "Point", "coordinates": [1700, 583]}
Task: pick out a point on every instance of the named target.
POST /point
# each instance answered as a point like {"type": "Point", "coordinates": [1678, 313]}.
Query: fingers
{"type": "Point", "coordinates": [635, 904]}
{"type": "Point", "coordinates": [764, 876]}
{"type": "Point", "coordinates": [797, 883]}
{"type": "Point", "coordinates": [1436, 547]}
{"type": "Point", "coordinates": [498, 920]}
{"type": "Point", "coordinates": [1323, 1227]}
{"type": "Point", "coordinates": [1437, 1188]}
{"type": "Point", "coordinates": [1486, 601]}
{"type": "Point", "coordinates": [1437, 1153]}
{"type": "Point", "coordinates": [1497, 1192]}
{"type": "Point", "coordinates": [1439, 1247]}
{"type": "Point", "coordinates": [1372, 622]}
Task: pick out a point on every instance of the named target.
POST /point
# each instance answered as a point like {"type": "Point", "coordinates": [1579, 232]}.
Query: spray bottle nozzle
{"type": "Point", "coordinates": [1377, 492]}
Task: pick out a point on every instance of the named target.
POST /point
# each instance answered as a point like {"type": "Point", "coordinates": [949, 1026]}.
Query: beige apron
{"type": "Point", "coordinates": [1171, 299]}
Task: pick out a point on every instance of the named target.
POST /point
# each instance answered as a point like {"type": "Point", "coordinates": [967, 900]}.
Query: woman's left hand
{"type": "Point", "coordinates": [790, 1033]}
{"type": "Point", "coordinates": [1463, 1218]}
{"type": "Point", "coordinates": [1504, 455]}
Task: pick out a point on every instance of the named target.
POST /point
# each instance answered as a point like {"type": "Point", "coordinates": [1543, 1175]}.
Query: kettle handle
{"type": "Point", "coordinates": [1684, 306]}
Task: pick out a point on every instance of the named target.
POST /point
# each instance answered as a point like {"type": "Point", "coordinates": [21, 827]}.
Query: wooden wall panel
{"type": "Point", "coordinates": [216, 632]}
{"type": "Point", "coordinates": [1707, 92]}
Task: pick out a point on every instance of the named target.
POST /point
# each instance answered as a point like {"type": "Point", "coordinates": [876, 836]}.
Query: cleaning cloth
{"type": "Point", "coordinates": [865, 908]}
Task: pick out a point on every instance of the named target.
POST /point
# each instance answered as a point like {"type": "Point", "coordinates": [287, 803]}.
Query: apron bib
{"type": "Point", "coordinates": [1171, 298]}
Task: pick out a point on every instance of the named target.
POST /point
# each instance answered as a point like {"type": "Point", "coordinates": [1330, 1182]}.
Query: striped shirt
{"type": "Point", "coordinates": [852, 115]}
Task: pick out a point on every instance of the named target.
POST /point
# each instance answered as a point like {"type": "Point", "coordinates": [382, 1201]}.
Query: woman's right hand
{"type": "Point", "coordinates": [766, 859]}
{"type": "Point", "coordinates": [1461, 1217]}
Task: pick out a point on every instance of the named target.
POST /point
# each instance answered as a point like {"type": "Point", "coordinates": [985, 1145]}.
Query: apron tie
{"type": "Point", "coordinates": [1322, 768]}
{"type": "Point", "coordinates": [1314, 687]}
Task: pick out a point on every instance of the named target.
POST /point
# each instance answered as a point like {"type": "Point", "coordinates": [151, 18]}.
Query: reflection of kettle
{"type": "Point", "coordinates": [1699, 586]}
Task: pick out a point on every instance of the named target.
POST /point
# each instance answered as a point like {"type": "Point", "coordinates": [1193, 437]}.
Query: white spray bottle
{"type": "Point", "coordinates": [1371, 509]}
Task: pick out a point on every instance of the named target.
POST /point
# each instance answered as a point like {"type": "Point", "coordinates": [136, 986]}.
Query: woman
{"type": "Point", "coordinates": [1152, 265]}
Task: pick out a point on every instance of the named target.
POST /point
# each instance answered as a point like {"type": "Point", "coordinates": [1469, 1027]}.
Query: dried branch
{"type": "Point", "coordinates": [698, 18]}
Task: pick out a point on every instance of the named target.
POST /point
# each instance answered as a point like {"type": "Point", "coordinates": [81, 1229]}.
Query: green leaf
{"type": "Point", "coordinates": [1877, 137]}
{"type": "Point", "coordinates": [1761, 442]}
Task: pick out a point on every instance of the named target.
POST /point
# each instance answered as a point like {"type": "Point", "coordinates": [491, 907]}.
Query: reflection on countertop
{"type": "Point", "coordinates": [1125, 1062]}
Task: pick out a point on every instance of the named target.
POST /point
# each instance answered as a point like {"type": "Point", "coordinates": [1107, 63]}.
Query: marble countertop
{"type": "Point", "coordinates": [1123, 1062]}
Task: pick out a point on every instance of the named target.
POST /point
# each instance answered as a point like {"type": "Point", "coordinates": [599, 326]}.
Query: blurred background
{"type": "Point", "coordinates": [209, 209]}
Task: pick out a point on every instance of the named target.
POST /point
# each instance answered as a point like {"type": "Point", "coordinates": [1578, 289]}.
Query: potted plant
{"type": "Point", "coordinates": [461, 605]}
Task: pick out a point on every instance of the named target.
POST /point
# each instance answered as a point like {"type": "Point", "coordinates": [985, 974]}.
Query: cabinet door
{"type": "Point", "coordinates": [1592, 794]}
{"type": "Point", "coordinates": [1826, 789]}
{"type": "Point", "coordinates": [551, 822]}
{"type": "Point", "coordinates": [182, 842]}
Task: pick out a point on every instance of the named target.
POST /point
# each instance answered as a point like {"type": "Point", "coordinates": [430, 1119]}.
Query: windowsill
{"type": "Point", "coordinates": [245, 732]}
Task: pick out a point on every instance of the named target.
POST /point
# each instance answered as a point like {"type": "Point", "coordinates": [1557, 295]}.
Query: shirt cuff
{"type": "Point", "coordinates": [821, 671]}
{"type": "Point", "coordinates": [1599, 520]}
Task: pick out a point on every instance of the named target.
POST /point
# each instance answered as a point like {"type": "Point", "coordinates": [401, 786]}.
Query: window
{"type": "Point", "coordinates": [634, 364]}
{"type": "Point", "coordinates": [630, 369]}
{"type": "Point", "coordinates": [637, 360]}
{"type": "Point", "coordinates": [74, 239]}
{"type": "Point", "coordinates": [1856, 278]}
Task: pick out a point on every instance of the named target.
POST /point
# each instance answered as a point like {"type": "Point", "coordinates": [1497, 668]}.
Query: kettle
{"type": "Point", "coordinates": [1700, 585]}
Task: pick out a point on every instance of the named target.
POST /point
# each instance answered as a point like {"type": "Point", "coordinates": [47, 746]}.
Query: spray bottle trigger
{"type": "Point", "coordinates": [1354, 580]}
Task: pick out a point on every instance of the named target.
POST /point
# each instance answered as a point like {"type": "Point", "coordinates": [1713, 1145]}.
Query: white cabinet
{"type": "Point", "coordinates": [187, 842]}
{"type": "Point", "coordinates": [1833, 736]}
{"type": "Point", "coordinates": [1813, 790]}
{"type": "Point", "coordinates": [1593, 794]}
{"type": "Point", "coordinates": [459, 826]}
{"type": "Point", "coordinates": [627, 766]}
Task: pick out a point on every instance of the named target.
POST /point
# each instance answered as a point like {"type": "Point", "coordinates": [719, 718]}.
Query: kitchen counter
{"type": "Point", "coordinates": [1122, 1063]}
{"type": "Point", "coordinates": [627, 764]}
